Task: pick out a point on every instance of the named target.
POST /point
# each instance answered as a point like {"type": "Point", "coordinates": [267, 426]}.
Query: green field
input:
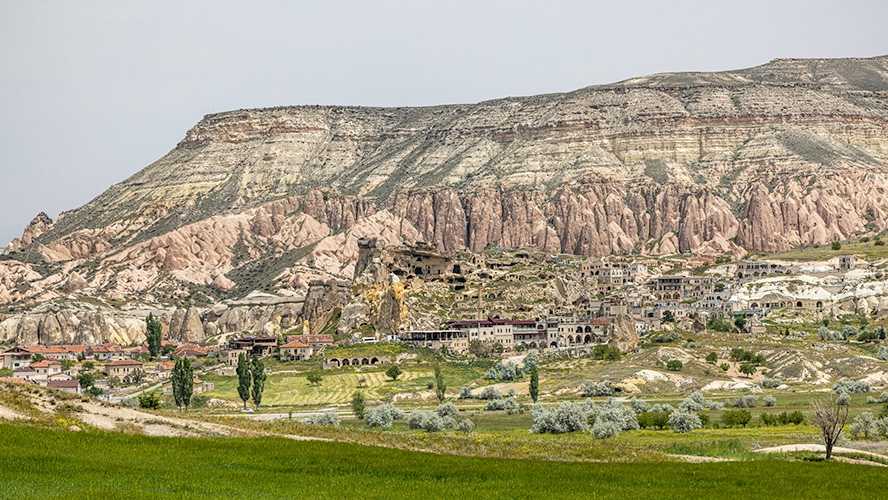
{"type": "Point", "coordinates": [42, 463]}
{"type": "Point", "coordinates": [291, 388]}
{"type": "Point", "coordinates": [867, 250]}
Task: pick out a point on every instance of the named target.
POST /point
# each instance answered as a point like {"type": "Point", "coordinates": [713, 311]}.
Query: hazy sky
{"type": "Point", "coordinates": [92, 91]}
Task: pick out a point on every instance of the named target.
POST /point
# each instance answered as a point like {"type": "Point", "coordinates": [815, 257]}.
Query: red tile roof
{"type": "Point", "coordinates": [294, 344]}
{"type": "Point", "coordinates": [124, 362]}
{"type": "Point", "coordinates": [46, 363]}
{"type": "Point", "coordinates": [63, 384]}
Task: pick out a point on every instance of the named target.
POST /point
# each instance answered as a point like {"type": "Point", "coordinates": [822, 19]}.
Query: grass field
{"type": "Point", "coordinates": [44, 463]}
{"type": "Point", "coordinates": [292, 388]}
{"type": "Point", "coordinates": [867, 250]}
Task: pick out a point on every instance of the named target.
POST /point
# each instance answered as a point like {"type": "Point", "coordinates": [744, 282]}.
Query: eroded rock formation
{"type": "Point", "coordinates": [794, 152]}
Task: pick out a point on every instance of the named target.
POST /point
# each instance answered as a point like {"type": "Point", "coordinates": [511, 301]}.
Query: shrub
{"type": "Point", "coordinates": [506, 371]}
{"type": "Point", "coordinates": [490, 392]}
{"type": "Point", "coordinates": [883, 353]}
{"type": "Point", "coordinates": [606, 353]}
{"type": "Point", "coordinates": [665, 337]}
{"type": "Point", "coordinates": [465, 425]}
{"type": "Point", "coordinates": [674, 365]}
{"type": "Point", "coordinates": [684, 421]}
{"type": "Point", "coordinates": [382, 416]}
{"type": "Point", "coordinates": [881, 398]}
{"type": "Point", "coordinates": [325, 418]}
{"type": "Point", "coordinates": [736, 418]}
{"type": "Point", "coordinates": [393, 372]}
{"type": "Point", "coordinates": [783, 418]}
{"type": "Point", "coordinates": [771, 383]}
{"type": "Point", "coordinates": [596, 389]}
{"type": "Point", "coordinates": [724, 367]}
{"type": "Point", "coordinates": [603, 429]}
{"type": "Point", "coordinates": [864, 426]}
{"type": "Point", "coordinates": [653, 419]}
{"type": "Point", "coordinates": [566, 417]}
{"type": "Point", "coordinates": [428, 421]}
{"type": "Point", "coordinates": [745, 402]}
{"type": "Point", "coordinates": [711, 358]}
{"type": "Point", "coordinates": [639, 405]}
{"type": "Point", "coordinates": [509, 405]}
{"type": "Point", "coordinates": [770, 401]}
{"type": "Point", "coordinates": [665, 407]}
{"type": "Point", "coordinates": [465, 393]}
{"type": "Point", "coordinates": [149, 400]}
{"type": "Point", "coordinates": [882, 427]}
{"type": "Point", "coordinates": [741, 355]}
{"type": "Point", "coordinates": [851, 386]}
{"type": "Point", "coordinates": [358, 404]}
{"type": "Point", "coordinates": [447, 410]}
{"type": "Point", "coordinates": [843, 399]}
{"type": "Point", "coordinates": [615, 412]}
{"type": "Point", "coordinates": [696, 402]}
{"type": "Point", "coordinates": [795, 417]}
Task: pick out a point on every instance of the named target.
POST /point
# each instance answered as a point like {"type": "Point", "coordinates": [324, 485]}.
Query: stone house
{"type": "Point", "coordinates": [122, 367]}
{"type": "Point", "coordinates": [295, 350]}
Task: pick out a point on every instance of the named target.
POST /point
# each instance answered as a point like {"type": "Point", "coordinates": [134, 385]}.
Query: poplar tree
{"type": "Point", "coordinates": [244, 378]}
{"type": "Point", "coordinates": [440, 385]}
{"type": "Point", "coordinates": [534, 387]}
{"type": "Point", "coordinates": [183, 382]}
{"type": "Point", "coordinates": [258, 372]}
{"type": "Point", "coordinates": [153, 335]}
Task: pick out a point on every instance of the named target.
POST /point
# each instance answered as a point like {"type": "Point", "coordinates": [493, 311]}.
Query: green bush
{"type": "Point", "coordinates": [736, 418]}
{"type": "Point", "coordinates": [784, 418]}
{"type": "Point", "coordinates": [674, 365]}
{"type": "Point", "coordinates": [711, 358]}
{"type": "Point", "coordinates": [149, 400]}
{"type": "Point", "coordinates": [606, 353]}
{"type": "Point", "coordinates": [653, 419]}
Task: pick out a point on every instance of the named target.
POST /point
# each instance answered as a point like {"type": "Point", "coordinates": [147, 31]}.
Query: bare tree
{"type": "Point", "coordinates": [830, 417]}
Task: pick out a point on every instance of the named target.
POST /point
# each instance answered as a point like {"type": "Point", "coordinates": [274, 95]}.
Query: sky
{"type": "Point", "coordinates": [93, 91]}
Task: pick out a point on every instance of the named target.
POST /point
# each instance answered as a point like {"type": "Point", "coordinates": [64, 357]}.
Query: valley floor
{"type": "Point", "coordinates": [39, 462]}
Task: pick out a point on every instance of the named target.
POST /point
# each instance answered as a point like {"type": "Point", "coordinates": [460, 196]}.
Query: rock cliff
{"type": "Point", "coordinates": [790, 153]}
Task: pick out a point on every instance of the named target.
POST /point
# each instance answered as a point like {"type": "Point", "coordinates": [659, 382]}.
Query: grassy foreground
{"type": "Point", "coordinates": [38, 462]}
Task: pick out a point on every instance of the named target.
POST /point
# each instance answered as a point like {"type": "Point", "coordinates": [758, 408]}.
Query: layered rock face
{"type": "Point", "coordinates": [794, 152]}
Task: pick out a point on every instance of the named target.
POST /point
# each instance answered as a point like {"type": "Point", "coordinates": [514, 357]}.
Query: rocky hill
{"type": "Point", "coordinates": [790, 153]}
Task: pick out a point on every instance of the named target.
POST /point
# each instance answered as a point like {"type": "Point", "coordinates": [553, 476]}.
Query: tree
{"type": "Point", "coordinates": [358, 404]}
{"type": "Point", "coordinates": [668, 317]}
{"type": "Point", "coordinates": [393, 372]}
{"type": "Point", "coordinates": [182, 380]}
{"type": "Point", "coordinates": [134, 377]}
{"type": "Point", "coordinates": [534, 387]}
{"type": "Point", "coordinates": [259, 376]}
{"type": "Point", "coordinates": [37, 357]}
{"type": "Point", "coordinates": [674, 365]}
{"type": "Point", "coordinates": [314, 378]}
{"type": "Point", "coordinates": [244, 378]}
{"type": "Point", "coordinates": [747, 369]}
{"type": "Point", "coordinates": [711, 358]}
{"type": "Point", "coordinates": [740, 322]}
{"type": "Point", "coordinates": [830, 417]}
{"type": "Point", "coordinates": [440, 385]}
{"type": "Point", "coordinates": [153, 335]}
{"type": "Point", "coordinates": [149, 400]}
{"type": "Point", "coordinates": [836, 246]}
{"type": "Point", "coordinates": [87, 380]}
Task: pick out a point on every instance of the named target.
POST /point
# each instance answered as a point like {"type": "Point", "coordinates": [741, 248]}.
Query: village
{"type": "Point", "coordinates": [617, 300]}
